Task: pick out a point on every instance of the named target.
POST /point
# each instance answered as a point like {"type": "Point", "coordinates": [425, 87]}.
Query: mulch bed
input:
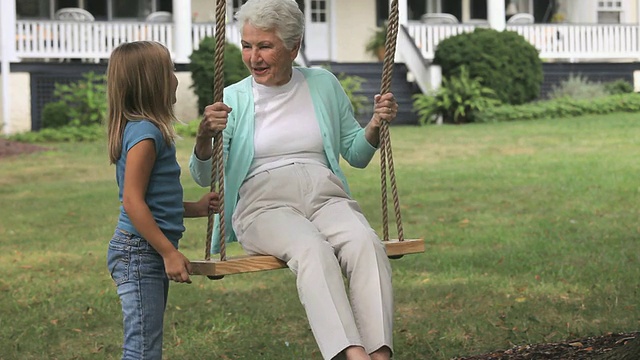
{"type": "Point", "coordinates": [11, 148]}
{"type": "Point", "coordinates": [576, 349]}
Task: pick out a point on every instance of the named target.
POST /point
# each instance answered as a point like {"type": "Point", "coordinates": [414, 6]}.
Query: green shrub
{"type": "Point", "coordinates": [578, 87]}
{"type": "Point", "coordinates": [352, 85]}
{"type": "Point", "coordinates": [68, 133]}
{"type": "Point", "coordinates": [202, 68]}
{"type": "Point", "coordinates": [507, 63]}
{"type": "Point", "coordinates": [562, 107]}
{"type": "Point", "coordinates": [187, 129]}
{"type": "Point", "coordinates": [619, 86]}
{"type": "Point", "coordinates": [86, 99]}
{"type": "Point", "coordinates": [457, 100]}
{"type": "Point", "coordinates": [55, 115]}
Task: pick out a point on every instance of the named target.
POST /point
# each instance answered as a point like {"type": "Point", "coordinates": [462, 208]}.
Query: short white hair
{"type": "Point", "coordinates": [282, 16]}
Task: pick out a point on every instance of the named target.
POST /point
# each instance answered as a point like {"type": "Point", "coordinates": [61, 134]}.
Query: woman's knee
{"type": "Point", "coordinates": [313, 255]}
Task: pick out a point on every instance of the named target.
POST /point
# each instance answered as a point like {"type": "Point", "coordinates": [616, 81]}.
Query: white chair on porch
{"type": "Point", "coordinates": [521, 18]}
{"type": "Point", "coordinates": [439, 18]}
{"type": "Point", "coordinates": [73, 14]}
{"type": "Point", "coordinates": [159, 17]}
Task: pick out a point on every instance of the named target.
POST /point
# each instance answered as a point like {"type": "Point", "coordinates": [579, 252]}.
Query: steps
{"type": "Point", "coordinates": [372, 74]}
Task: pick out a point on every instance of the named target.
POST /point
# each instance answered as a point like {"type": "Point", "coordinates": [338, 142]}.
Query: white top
{"type": "Point", "coordinates": [286, 127]}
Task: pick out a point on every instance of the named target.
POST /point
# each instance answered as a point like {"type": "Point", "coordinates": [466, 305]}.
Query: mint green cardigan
{"type": "Point", "coordinates": [341, 135]}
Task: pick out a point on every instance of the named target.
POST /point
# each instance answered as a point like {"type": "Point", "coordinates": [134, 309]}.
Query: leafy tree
{"type": "Point", "coordinates": [202, 68]}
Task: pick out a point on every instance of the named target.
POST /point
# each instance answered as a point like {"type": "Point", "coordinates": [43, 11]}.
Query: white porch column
{"type": "Point", "coordinates": [182, 38]}
{"type": "Point", "coordinates": [7, 55]}
{"type": "Point", "coordinates": [466, 11]}
{"type": "Point", "coordinates": [403, 19]}
{"type": "Point", "coordinates": [496, 14]}
{"type": "Point", "coordinates": [403, 12]}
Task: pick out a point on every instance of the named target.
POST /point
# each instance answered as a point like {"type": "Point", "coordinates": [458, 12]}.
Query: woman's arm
{"type": "Point", "coordinates": [215, 119]}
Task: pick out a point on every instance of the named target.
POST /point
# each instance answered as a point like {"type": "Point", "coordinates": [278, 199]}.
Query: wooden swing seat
{"type": "Point", "coordinates": [252, 263]}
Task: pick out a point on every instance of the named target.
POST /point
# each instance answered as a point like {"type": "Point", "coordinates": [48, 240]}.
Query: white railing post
{"type": "Point", "coordinates": [182, 44]}
{"type": "Point", "coordinates": [7, 55]}
{"type": "Point", "coordinates": [496, 14]}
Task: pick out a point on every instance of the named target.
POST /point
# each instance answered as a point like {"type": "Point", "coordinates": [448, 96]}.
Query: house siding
{"type": "Point", "coordinates": [20, 107]}
{"type": "Point", "coordinates": [32, 87]}
{"type": "Point", "coordinates": [355, 21]}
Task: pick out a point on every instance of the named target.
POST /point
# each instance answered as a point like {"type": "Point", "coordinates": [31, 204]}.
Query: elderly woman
{"type": "Point", "coordinates": [284, 130]}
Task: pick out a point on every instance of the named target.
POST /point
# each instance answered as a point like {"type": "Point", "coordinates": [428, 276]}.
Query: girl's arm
{"type": "Point", "coordinates": [208, 202]}
{"type": "Point", "coordinates": [140, 160]}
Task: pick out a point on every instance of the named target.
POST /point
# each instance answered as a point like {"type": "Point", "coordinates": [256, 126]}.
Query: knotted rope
{"type": "Point", "coordinates": [386, 157]}
{"type": "Point", "coordinates": [217, 159]}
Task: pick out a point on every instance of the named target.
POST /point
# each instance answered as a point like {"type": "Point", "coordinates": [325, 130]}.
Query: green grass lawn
{"type": "Point", "coordinates": [532, 232]}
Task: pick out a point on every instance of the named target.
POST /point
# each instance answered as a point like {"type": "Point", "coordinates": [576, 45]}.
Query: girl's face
{"type": "Point", "coordinates": [266, 57]}
{"type": "Point", "coordinates": [174, 86]}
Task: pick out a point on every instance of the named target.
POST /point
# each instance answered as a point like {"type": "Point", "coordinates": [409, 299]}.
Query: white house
{"type": "Point", "coordinates": [34, 34]}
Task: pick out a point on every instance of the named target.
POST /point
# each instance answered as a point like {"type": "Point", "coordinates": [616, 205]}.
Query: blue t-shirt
{"type": "Point", "coordinates": [164, 192]}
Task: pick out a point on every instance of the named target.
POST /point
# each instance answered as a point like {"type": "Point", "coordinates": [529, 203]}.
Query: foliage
{"type": "Point", "coordinates": [456, 101]}
{"type": "Point", "coordinates": [507, 63]}
{"type": "Point", "coordinates": [578, 87]}
{"type": "Point", "coordinates": [377, 41]}
{"type": "Point", "coordinates": [68, 133]}
{"type": "Point", "coordinates": [202, 67]}
{"type": "Point", "coordinates": [562, 107]}
{"type": "Point", "coordinates": [619, 86]}
{"type": "Point", "coordinates": [54, 115]}
{"type": "Point", "coordinates": [187, 129]}
{"type": "Point", "coordinates": [85, 100]}
{"type": "Point", "coordinates": [352, 86]}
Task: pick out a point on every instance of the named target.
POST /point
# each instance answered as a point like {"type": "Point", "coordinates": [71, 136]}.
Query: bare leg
{"type": "Point", "coordinates": [356, 353]}
{"type": "Point", "coordinates": [381, 354]}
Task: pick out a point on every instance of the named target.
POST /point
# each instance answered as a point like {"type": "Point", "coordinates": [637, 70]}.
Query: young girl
{"type": "Point", "coordinates": [143, 253]}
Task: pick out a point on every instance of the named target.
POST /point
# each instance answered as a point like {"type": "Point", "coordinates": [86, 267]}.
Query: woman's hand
{"type": "Point", "coordinates": [385, 109]}
{"type": "Point", "coordinates": [214, 120]}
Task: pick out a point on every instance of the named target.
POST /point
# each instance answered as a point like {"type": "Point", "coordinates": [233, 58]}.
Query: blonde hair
{"type": "Point", "coordinates": [139, 78]}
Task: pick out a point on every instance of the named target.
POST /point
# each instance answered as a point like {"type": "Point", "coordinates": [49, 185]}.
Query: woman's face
{"type": "Point", "coordinates": [266, 57]}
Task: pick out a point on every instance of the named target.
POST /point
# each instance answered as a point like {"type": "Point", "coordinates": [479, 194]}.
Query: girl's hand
{"type": "Point", "coordinates": [177, 267]}
{"type": "Point", "coordinates": [210, 202]}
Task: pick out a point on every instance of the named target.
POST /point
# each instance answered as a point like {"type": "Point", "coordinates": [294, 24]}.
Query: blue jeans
{"type": "Point", "coordinates": [139, 273]}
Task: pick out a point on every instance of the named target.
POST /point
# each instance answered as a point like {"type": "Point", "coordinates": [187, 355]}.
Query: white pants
{"type": "Point", "coordinates": [301, 214]}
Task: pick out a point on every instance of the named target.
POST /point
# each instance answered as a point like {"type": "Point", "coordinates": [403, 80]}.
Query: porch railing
{"type": "Point", "coordinates": [95, 40]}
{"type": "Point", "coordinates": [569, 42]}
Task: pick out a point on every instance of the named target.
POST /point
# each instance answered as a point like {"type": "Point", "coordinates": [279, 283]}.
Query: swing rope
{"type": "Point", "coordinates": [386, 156]}
{"type": "Point", "coordinates": [217, 159]}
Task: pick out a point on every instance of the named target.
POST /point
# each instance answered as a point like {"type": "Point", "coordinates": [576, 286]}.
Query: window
{"type": "Point", "coordinates": [100, 9]}
{"type": "Point", "coordinates": [610, 12]}
{"type": "Point", "coordinates": [318, 11]}
{"type": "Point", "coordinates": [33, 9]}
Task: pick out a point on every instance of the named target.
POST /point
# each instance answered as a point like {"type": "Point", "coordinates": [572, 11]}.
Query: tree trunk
{"type": "Point", "coordinates": [628, 351]}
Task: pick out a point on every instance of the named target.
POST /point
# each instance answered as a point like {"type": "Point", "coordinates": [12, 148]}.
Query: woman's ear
{"type": "Point", "coordinates": [295, 50]}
